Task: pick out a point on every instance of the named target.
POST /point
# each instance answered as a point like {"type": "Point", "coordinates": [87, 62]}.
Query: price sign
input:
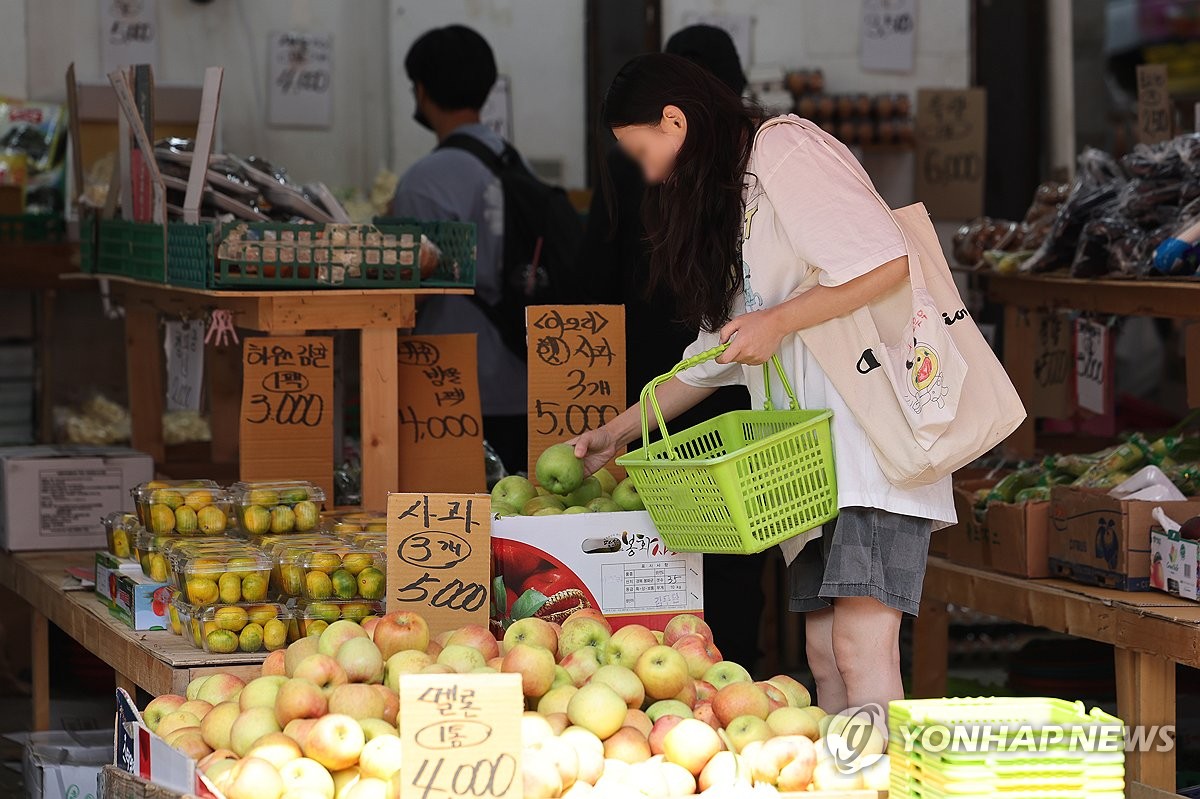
{"type": "Point", "coordinates": [440, 557]}
{"type": "Point", "coordinates": [888, 35]}
{"type": "Point", "coordinates": [286, 424]}
{"type": "Point", "coordinates": [185, 364]}
{"type": "Point", "coordinates": [441, 433]}
{"type": "Point", "coordinates": [951, 126]}
{"type": "Point", "coordinates": [128, 33]}
{"type": "Point", "coordinates": [1093, 379]}
{"type": "Point", "coordinates": [576, 371]}
{"type": "Point", "coordinates": [300, 80]}
{"type": "Point", "coordinates": [1154, 104]}
{"type": "Point", "coordinates": [462, 736]}
{"type": "Point", "coordinates": [1053, 370]}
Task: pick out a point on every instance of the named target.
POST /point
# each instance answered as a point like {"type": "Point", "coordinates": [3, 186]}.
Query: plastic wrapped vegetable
{"type": "Point", "coordinates": [1006, 490]}
{"type": "Point", "coordinates": [1185, 478]}
{"type": "Point", "coordinates": [1098, 183]}
{"type": "Point", "coordinates": [1092, 255]}
{"type": "Point", "coordinates": [1121, 460]}
{"type": "Point", "coordinates": [1035, 494]}
{"type": "Point", "coordinates": [1076, 465]}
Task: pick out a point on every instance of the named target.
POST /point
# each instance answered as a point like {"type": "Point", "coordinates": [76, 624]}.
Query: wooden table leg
{"type": "Point", "coordinates": [1146, 700]}
{"type": "Point", "coordinates": [144, 366]}
{"type": "Point", "coordinates": [1019, 344]}
{"type": "Point", "coordinates": [129, 685]}
{"type": "Point", "coordinates": [931, 649]}
{"type": "Point", "coordinates": [380, 416]}
{"type": "Point", "coordinates": [40, 665]}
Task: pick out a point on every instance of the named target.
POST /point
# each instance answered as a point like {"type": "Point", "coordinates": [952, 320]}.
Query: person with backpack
{"type": "Point", "coordinates": [526, 231]}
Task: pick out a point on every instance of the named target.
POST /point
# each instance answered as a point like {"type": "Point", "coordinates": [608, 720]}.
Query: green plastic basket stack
{"type": "Point", "coordinates": [1000, 752]}
{"type": "Point", "coordinates": [456, 240]}
{"type": "Point", "coordinates": [741, 482]}
{"type": "Point", "coordinates": [135, 250]}
{"type": "Point", "coordinates": [32, 229]}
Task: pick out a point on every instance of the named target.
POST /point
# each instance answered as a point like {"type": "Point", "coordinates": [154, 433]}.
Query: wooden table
{"type": "Point", "coordinates": [1151, 632]}
{"type": "Point", "coordinates": [376, 313]}
{"type": "Point", "coordinates": [160, 662]}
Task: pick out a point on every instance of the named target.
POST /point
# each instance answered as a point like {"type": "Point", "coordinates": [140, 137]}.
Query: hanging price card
{"type": "Point", "coordinates": [951, 141]}
{"type": "Point", "coordinates": [461, 736]}
{"type": "Point", "coordinates": [1052, 366]}
{"type": "Point", "coordinates": [441, 434]}
{"type": "Point", "coordinates": [300, 80]}
{"type": "Point", "coordinates": [286, 427]}
{"type": "Point", "coordinates": [128, 33]}
{"type": "Point", "coordinates": [576, 371]}
{"type": "Point", "coordinates": [1093, 367]}
{"type": "Point", "coordinates": [440, 557]}
{"type": "Point", "coordinates": [1153, 104]}
{"type": "Point", "coordinates": [888, 35]}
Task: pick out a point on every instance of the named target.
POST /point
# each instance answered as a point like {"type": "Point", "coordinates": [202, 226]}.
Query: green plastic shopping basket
{"type": "Point", "coordinates": [741, 482]}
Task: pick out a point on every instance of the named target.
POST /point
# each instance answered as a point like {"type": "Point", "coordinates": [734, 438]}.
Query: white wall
{"type": "Point", "coordinates": [12, 48]}
{"type": "Point", "coordinates": [539, 44]}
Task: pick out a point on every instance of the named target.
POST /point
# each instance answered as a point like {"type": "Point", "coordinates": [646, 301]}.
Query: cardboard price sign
{"type": "Point", "coordinates": [441, 427]}
{"type": "Point", "coordinates": [440, 557]}
{"type": "Point", "coordinates": [462, 736]}
{"type": "Point", "coordinates": [1153, 104]}
{"type": "Point", "coordinates": [1093, 367]}
{"type": "Point", "coordinates": [951, 150]}
{"type": "Point", "coordinates": [286, 422]}
{"type": "Point", "coordinates": [576, 372]}
{"type": "Point", "coordinates": [1053, 364]}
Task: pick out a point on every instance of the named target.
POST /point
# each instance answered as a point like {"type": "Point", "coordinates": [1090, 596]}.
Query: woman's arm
{"type": "Point", "coordinates": [758, 334]}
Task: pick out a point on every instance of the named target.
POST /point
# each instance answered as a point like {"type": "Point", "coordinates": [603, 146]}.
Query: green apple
{"type": "Point", "coordinates": [576, 509]}
{"type": "Point", "coordinates": [549, 512]}
{"type": "Point", "coordinates": [588, 490]}
{"type": "Point", "coordinates": [602, 505]}
{"type": "Point", "coordinates": [541, 492]}
{"type": "Point", "coordinates": [608, 483]}
{"type": "Point", "coordinates": [537, 503]}
{"type": "Point", "coordinates": [626, 495]}
{"type": "Point", "coordinates": [513, 490]}
{"type": "Point", "coordinates": [558, 470]}
{"type": "Point", "coordinates": [504, 509]}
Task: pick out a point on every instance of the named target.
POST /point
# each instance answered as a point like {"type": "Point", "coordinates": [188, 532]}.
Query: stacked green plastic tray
{"type": "Point", "coordinates": [136, 250]}
{"type": "Point", "coordinates": [1060, 771]}
{"type": "Point", "coordinates": [32, 229]}
{"type": "Point", "coordinates": [456, 240]}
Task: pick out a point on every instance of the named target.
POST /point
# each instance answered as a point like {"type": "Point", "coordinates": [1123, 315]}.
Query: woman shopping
{"type": "Point", "coordinates": [759, 229]}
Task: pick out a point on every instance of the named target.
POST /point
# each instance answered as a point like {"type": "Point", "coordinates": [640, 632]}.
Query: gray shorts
{"type": "Point", "coordinates": [863, 552]}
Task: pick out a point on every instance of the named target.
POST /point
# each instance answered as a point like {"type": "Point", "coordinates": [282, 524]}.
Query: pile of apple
{"type": "Point", "coordinates": [610, 714]}
{"type": "Point", "coordinates": [562, 488]}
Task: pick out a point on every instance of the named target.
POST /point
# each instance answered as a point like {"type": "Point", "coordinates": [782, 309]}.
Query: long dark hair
{"type": "Point", "coordinates": [694, 217]}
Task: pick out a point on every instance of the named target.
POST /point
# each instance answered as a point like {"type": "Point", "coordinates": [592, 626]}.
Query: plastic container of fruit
{"type": "Point", "coordinates": [186, 507]}
{"type": "Point", "coordinates": [319, 573]}
{"type": "Point", "coordinates": [153, 552]}
{"type": "Point", "coordinates": [351, 522]}
{"type": "Point", "coordinates": [366, 540]}
{"type": "Point", "coordinates": [275, 546]}
{"type": "Point", "coordinates": [120, 531]}
{"type": "Point", "coordinates": [281, 506]}
{"type": "Point", "coordinates": [233, 574]}
{"type": "Point", "coordinates": [313, 617]}
{"type": "Point", "coordinates": [223, 628]}
{"type": "Point", "coordinates": [175, 621]}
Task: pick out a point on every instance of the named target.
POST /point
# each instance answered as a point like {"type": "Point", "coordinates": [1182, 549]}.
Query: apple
{"type": "Point", "coordinates": [793, 721]}
{"type": "Point", "coordinates": [598, 708]}
{"type": "Point", "coordinates": [686, 624]}
{"type": "Point", "coordinates": [627, 744]}
{"type": "Point", "coordinates": [176, 721]}
{"type": "Point", "coordinates": [338, 633]}
{"type": "Point", "coordinates": [477, 637]}
{"type": "Point", "coordinates": [303, 773]}
{"type": "Point", "coordinates": [626, 495]}
{"type": "Point", "coordinates": [562, 755]}
{"type": "Point", "coordinates": [558, 722]}
{"type": "Point", "coordinates": [534, 728]}
{"type": "Point", "coordinates": [604, 505]}
{"type": "Point", "coordinates": [380, 757]}
{"type": "Point", "coordinates": [797, 695]}
{"type": "Point", "coordinates": [538, 504]}
{"type": "Point", "coordinates": [197, 707]}
{"type": "Point", "coordinates": [745, 729]}
{"type": "Point", "coordinates": [740, 699]}
{"type": "Point", "coordinates": [299, 699]}
{"type": "Point", "coordinates": [260, 692]}
{"type": "Point", "coordinates": [251, 725]}
{"type": "Point", "coordinates": [533, 631]}
{"type": "Point", "coordinates": [322, 671]}
{"type": "Point", "coordinates": [592, 613]}
{"type": "Point", "coordinates": [668, 707]}
{"type": "Point", "coordinates": [513, 491]}
{"type": "Point", "coordinates": [539, 777]}
{"type": "Point", "coordinates": [816, 712]}
{"type": "Point", "coordinates": [335, 742]}
{"type": "Point", "coordinates": [624, 682]}
{"type": "Point", "coordinates": [408, 661]}
{"type": "Point", "coordinates": [161, 706]}
{"type": "Point", "coordinates": [680, 782]}
{"type": "Point", "coordinates": [705, 691]}
{"type": "Point", "coordinates": [218, 724]}
{"type": "Point", "coordinates": [502, 509]}
{"type": "Point", "coordinates": [705, 713]}
{"type": "Point", "coordinates": [775, 696]}
{"type": "Point", "coordinates": [724, 771]}
{"type": "Point", "coordinates": [298, 729]}
{"type": "Point", "coordinates": [391, 703]}
{"type": "Point", "coordinates": [639, 721]}
{"type": "Point", "coordinates": [368, 624]}
{"type": "Point", "coordinates": [253, 778]}
{"type": "Point", "coordinates": [590, 751]}
{"type": "Point", "coordinates": [462, 659]}
{"type": "Point", "coordinates": [275, 748]}
{"type": "Point", "coordinates": [627, 645]}
{"type": "Point", "coordinates": [212, 757]}
{"type": "Point", "coordinates": [437, 668]}
{"type": "Point", "coordinates": [688, 695]}
{"type": "Point", "coordinates": [581, 665]}
{"type": "Point", "coordinates": [344, 781]}
{"type": "Point", "coordinates": [588, 490]}
{"type": "Point", "coordinates": [725, 673]}
{"type": "Point", "coordinates": [556, 700]}
{"type": "Point", "coordinates": [691, 743]}
{"type": "Point", "coordinates": [784, 760]}
{"type": "Point", "coordinates": [193, 687]}
{"type": "Point", "coordinates": [190, 741]}
{"type": "Point", "coordinates": [369, 788]}
{"type": "Point", "coordinates": [357, 701]}
{"type": "Point", "coordinates": [561, 676]}
{"type": "Point", "coordinates": [578, 633]}
{"type": "Point", "coordinates": [658, 636]}
{"type": "Point", "coordinates": [373, 728]}
{"type": "Point", "coordinates": [298, 651]}
{"type": "Point", "coordinates": [361, 660]}
{"type": "Point", "coordinates": [658, 734]}
{"type": "Point", "coordinates": [216, 767]}
{"type": "Point", "coordinates": [608, 483]}
{"type": "Point", "coordinates": [400, 631]}
{"type": "Point", "coordinates": [558, 470]}
{"type": "Point", "coordinates": [535, 665]}
{"type": "Point", "coordinates": [663, 671]}
{"type": "Point", "coordinates": [698, 653]}
{"type": "Point", "coordinates": [220, 688]}
{"type": "Point", "coordinates": [275, 664]}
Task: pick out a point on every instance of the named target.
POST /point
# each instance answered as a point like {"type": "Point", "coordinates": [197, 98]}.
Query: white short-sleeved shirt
{"type": "Point", "coordinates": [805, 211]}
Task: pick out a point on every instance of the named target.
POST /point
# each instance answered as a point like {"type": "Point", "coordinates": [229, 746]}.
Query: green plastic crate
{"type": "Point", "coordinates": [135, 249]}
{"type": "Point", "coordinates": [33, 229]}
{"type": "Point", "coordinates": [278, 255]}
{"type": "Point", "coordinates": [456, 240]}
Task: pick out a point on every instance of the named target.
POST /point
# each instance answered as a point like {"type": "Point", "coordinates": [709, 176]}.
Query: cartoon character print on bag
{"type": "Point", "coordinates": [754, 300]}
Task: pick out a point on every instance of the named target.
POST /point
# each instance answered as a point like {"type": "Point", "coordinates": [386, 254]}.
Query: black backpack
{"type": "Point", "coordinates": [542, 235]}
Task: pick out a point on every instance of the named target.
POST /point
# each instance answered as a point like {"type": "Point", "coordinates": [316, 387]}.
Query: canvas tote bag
{"type": "Point", "coordinates": [931, 405]}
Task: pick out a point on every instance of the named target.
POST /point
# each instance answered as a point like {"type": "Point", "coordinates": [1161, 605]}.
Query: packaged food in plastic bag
{"type": "Point", "coordinates": [1098, 183]}
{"type": "Point", "coordinates": [1092, 254]}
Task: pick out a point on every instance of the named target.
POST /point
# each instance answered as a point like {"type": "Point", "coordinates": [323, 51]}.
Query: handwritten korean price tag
{"type": "Point", "coordinates": [286, 425]}
{"type": "Point", "coordinates": [300, 87]}
{"type": "Point", "coordinates": [951, 127]}
{"type": "Point", "coordinates": [462, 735]}
{"type": "Point", "coordinates": [1053, 362]}
{"type": "Point", "coordinates": [440, 557]}
{"type": "Point", "coordinates": [1093, 379]}
{"type": "Point", "coordinates": [128, 33]}
{"type": "Point", "coordinates": [576, 371]}
{"type": "Point", "coordinates": [1153, 104]}
{"type": "Point", "coordinates": [441, 432]}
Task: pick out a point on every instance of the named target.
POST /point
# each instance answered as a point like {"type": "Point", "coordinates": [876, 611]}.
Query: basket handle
{"type": "Point", "coordinates": [696, 360]}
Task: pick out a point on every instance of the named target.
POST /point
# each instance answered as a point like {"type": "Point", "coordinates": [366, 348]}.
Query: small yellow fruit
{"type": "Point", "coordinates": [186, 522]}
{"type": "Point", "coordinates": [292, 579]}
{"type": "Point", "coordinates": [327, 562]}
{"type": "Point", "coordinates": [222, 641]}
{"type": "Point", "coordinates": [158, 568]}
{"type": "Point", "coordinates": [307, 515]}
{"type": "Point", "coordinates": [162, 519]}
{"type": "Point", "coordinates": [317, 627]}
{"type": "Point", "coordinates": [326, 611]}
{"type": "Point", "coordinates": [317, 585]}
{"type": "Point", "coordinates": [212, 520]}
{"type": "Point", "coordinates": [230, 587]}
{"type": "Point", "coordinates": [274, 635]}
{"type": "Point", "coordinates": [251, 638]}
{"type": "Point", "coordinates": [344, 584]}
{"type": "Point", "coordinates": [377, 527]}
{"type": "Point", "coordinates": [355, 562]}
{"type": "Point", "coordinates": [261, 614]}
{"type": "Point", "coordinates": [256, 520]}
{"type": "Point", "coordinates": [372, 583]}
{"type": "Point", "coordinates": [120, 543]}
{"type": "Point", "coordinates": [262, 496]}
{"type": "Point", "coordinates": [283, 520]}
{"type": "Point", "coordinates": [356, 611]}
{"type": "Point", "coordinates": [231, 618]}
{"type": "Point", "coordinates": [156, 484]}
{"type": "Point", "coordinates": [202, 591]}
{"type": "Point", "coordinates": [293, 495]}
{"type": "Point", "coordinates": [254, 587]}
{"type": "Point", "coordinates": [172, 499]}
{"type": "Point", "coordinates": [198, 500]}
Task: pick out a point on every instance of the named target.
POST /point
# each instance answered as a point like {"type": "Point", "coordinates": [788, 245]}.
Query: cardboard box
{"type": "Point", "coordinates": [140, 602]}
{"type": "Point", "coordinates": [109, 569]}
{"type": "Point", "coordinates": [964, 541]}
{"type": "Point", "coordinates": [612, 561]}
{"type": "Point", "coordinates": [1099, 540]}
{"type": "Point", "coordinates": [1015, 539]}
{"type": "Point", "coordinates": [53, 497]}
{"type": "Point", "coordinates": [64, 765]}
{"type": "Point", "coordinates": [1174, 564]}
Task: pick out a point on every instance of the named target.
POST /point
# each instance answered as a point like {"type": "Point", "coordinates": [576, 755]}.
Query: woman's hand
{"type": "Point", "coordinates": [757, 338]}
{"type": "Point", "coordinates": [595, 448]}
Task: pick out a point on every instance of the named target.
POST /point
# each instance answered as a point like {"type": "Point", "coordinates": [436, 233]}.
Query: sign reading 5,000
{"type": "Point", "coordinates": [439, 557]}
